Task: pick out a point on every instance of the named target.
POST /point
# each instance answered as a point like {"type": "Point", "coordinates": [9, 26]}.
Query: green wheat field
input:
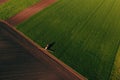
{"type": "Point", "coordinates": [86, 34]}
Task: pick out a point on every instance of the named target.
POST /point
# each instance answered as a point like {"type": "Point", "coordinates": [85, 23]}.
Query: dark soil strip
{"type": "Point", "coordinates": [3, 1]}
{"type": "Point", "coordinates": [25, 14]}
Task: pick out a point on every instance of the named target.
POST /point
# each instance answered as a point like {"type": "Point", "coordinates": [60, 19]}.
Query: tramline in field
{"type": "Point", "coordinates": [86, 33]}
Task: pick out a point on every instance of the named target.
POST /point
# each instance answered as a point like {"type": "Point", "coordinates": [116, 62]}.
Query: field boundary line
{"type": "Point", "coordinates": [38, 52]}
{"type": "Point", "coordinates": [30, 11]}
